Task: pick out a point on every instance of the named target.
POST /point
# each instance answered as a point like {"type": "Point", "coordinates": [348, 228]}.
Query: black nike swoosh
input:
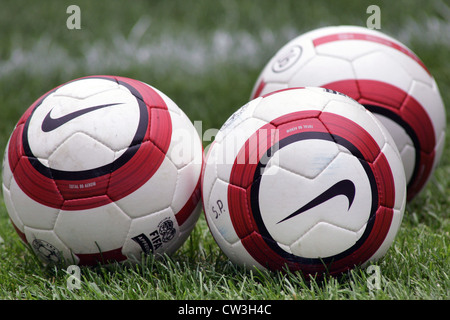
{"type": "Point", "coordinates": [50, 123]}
{"type": "Point", "coordinates": [344, 187]}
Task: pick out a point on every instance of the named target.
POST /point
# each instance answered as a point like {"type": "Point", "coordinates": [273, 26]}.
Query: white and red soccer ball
{"type": "Point", "coordinates": [377, 71]}
{"type": "Point", "coordinates": [305, 179]}
{"type": "Point", "coordinates": [102, 169]}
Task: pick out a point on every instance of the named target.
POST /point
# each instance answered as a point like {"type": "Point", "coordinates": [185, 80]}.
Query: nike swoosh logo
{"type": "Point", "coordinates": [50, 123]}
{"type": "Point", "coordinates": [344, 187]}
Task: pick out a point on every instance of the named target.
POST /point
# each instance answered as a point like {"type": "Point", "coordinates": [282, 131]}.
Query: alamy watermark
{"type": "Point", "coordinates": [74, 280]}
{"type": "Point", "coordinates": [74, 19]}
{"type": "Point", "coordinates": [374, 280]}
{"type": "Point", "coordinates": [374, 20]}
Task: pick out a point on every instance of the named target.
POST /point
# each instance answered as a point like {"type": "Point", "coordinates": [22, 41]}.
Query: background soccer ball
{"type": "Point", "coordinates": [102, 169]}
{"type": "Point", "coordinates": [380, 73]}
{"type": "Point", "coordinates": [304, 178]}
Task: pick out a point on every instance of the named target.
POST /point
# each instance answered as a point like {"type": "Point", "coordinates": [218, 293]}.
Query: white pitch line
{"type": "Point", "coordinates": [186, 50]}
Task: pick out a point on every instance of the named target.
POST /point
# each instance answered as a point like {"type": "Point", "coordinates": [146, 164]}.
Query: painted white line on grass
{"type": "Point", "coordinates": [193, 53]}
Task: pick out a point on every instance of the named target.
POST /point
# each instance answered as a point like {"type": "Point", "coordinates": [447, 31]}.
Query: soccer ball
{"type": "Point", "coordinates": [378, 72]}
{"type": "Point", "coordinates": [305, 179]}
{"type": "Point", "coordinates": [102, 169]}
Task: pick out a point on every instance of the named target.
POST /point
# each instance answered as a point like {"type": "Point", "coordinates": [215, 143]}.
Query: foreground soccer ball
{"type": "Point", "coordinates": [303, 178]}
{"type": "Point", "coordinates": [380, 73]}
{"type": "Point", "coordinates": [103, 169]}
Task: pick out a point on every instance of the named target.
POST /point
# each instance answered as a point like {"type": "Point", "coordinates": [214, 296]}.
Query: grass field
{"type": "Point", "coordinates": [206, 56]}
